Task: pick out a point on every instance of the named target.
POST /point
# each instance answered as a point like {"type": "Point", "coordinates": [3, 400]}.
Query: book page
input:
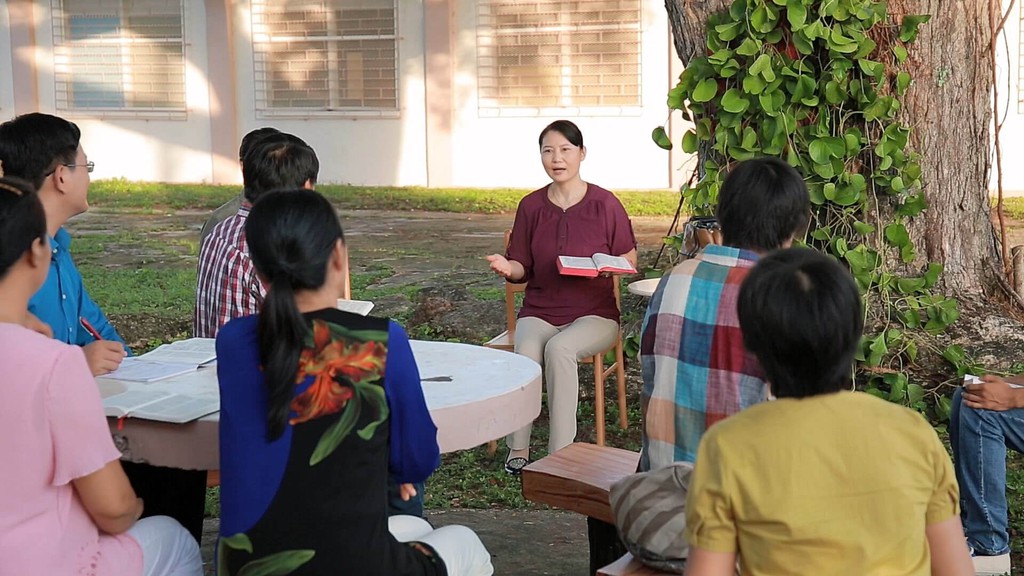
{"type": "Point", "coordinates": [139, 370]}
{"type": "Point", "coordinates": [196, 351]}
{"type": "Point", "coordinates": [577, 262]}
{"type": "Point", "coordinates": [177, 409]}
{"type": "Point", "coordinates": [609, 263]}
{"type": "Point", "coordinates": [125, 402]}
{"type": "Point", "coordinates": [361, 307]}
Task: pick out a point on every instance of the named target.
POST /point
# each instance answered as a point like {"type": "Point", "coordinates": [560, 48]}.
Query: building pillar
{"type": "Point", "coordinates": [439, 77]}
{"type": "Point", "coordinates": [22, 15]}
{"type": "Point", "coordinates": [222, 84]}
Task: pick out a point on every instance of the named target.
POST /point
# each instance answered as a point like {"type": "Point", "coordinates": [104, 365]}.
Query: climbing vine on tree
{"type": "Point", "coordinates": [819, 83]}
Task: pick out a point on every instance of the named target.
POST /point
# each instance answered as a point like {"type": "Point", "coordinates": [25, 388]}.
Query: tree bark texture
{"type": "Point", "coordinates": [949, 109]}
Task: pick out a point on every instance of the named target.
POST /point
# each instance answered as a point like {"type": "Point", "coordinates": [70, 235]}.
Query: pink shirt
{"type": "Point", "coordinates": [542, 232]}
{"type": "Point", "coordinates": [52, 430]}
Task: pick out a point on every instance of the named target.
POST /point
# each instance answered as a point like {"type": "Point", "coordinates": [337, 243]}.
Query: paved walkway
{"type": "Point", "coordinates": [521, 542]}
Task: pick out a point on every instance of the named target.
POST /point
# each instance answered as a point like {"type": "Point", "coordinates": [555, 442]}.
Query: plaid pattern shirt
{"type": "Point", "coordinates": [227, 286]}
{"type": "Point", "coordinates": [696, 370]}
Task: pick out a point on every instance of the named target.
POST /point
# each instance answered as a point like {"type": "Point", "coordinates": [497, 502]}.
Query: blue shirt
{"type": "Point", "coordinates": [62, 300]}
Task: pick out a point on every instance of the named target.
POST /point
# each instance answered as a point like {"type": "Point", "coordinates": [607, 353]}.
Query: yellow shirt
{"type": "Point", "coordinates": [843, 483]}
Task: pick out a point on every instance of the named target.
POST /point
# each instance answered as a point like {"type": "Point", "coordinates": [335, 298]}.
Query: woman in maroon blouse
{"type": "Point", "coordinates": [563, 318]}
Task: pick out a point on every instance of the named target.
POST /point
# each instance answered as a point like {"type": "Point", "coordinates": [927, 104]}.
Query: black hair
{"type": "Point", "coordinates": [253, 138]}
{"type": "Point", "coordinates": [565, 128]}
{"type": "Point", "coordinates": [763, 203]}
{"type": "Point", "coordinates": [291, 236]}
{"type": "Point", "coordinates": [31, 146]}
{"type": "Point", "coordinates": [22, 221]}
{"type": "Point", "coordinates": [278, 162]}
{"type": "Point", "coordinates": [800, 314]}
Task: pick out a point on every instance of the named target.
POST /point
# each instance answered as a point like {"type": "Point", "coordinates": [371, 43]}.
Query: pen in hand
{"type": "Point", "coordinates": [88, 328]}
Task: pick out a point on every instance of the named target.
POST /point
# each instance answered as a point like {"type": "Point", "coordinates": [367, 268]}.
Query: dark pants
{"type": "Point", "coordinates": [180, 494]}
{"type": "Point", "coordinates": [605, 546]}
{"type": "Point", "coordinates": [397, 506]}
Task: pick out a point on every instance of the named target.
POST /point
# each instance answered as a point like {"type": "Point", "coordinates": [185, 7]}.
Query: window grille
{"type": "Point", "coordinates": [325, 55]}
{"type": "Point", "coordinates": [559, 53]}
{"type": "Point", "coordinates": [119, 55]}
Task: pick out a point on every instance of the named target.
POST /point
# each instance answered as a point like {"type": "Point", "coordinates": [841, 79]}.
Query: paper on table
{"type": "Point", "coordinates": [159, 405]}
{"type": "Point", "coordinates": [361, 307]}
{"type": "Point", "coordinates": [139, 370]}
{"type": "Point", "coordinates": [196, 351]}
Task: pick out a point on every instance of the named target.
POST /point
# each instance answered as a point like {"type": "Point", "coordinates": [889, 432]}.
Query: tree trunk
{"type": "Point", "coordinates": [948, 107]}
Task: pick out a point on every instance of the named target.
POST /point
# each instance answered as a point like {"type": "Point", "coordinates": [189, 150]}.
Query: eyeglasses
{"type": "Point", "coordinates": [89, 166]}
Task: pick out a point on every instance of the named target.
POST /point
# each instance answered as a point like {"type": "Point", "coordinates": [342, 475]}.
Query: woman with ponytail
{"type": "Point", "coordinates": [66, 506]}
{"type": "Point", "coordinates": [318, 406]}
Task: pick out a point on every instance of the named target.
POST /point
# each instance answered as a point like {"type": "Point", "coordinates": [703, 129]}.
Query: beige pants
{"type": "Point", "coordinates": [558, 350]}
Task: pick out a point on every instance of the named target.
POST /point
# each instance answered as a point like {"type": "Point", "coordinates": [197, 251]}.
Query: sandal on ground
{"type": "Point", "coordinates": [514, 466]}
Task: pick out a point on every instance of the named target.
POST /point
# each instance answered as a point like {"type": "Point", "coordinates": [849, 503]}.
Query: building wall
{"type": "Point", "coordinates": [502, 151]}
{"type": "Point", "coordinates": [1011, 107]}
{"type": "Point", "coordinates": [353, 149]}
{"type": "Point", "coordinates": [6, 72]}
{"type": "Point", "coordinates": [438, 137]}
{"type": "Point", "coordinates": [138, 146]}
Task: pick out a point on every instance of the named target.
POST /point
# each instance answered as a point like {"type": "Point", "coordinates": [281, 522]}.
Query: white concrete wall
{"type": "Point", "coordinates": [503, 151]}
{"type": "Point", "coordinates": [6, 73]}
{"type": "Point", "coordinates": [352, 149]}
{"type": "Point", "coordinates": [1010, 96]}
{"type": "Point", "coordinates": [135, 147]}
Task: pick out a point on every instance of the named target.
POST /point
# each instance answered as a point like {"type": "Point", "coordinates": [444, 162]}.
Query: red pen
{"type": "Point", "coordinates": [88, 327]}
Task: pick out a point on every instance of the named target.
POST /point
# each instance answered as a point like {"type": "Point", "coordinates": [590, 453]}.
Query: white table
{"type": "Point", "coordinates": [492, 393]}
{"type": "Point", "coordinates": [644, 287]}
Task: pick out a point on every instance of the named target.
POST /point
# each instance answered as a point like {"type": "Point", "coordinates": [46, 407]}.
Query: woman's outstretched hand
{"type": "Point", "coordinates": [500, 265]}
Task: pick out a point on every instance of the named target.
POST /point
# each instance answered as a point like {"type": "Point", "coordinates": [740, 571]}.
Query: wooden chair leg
{"type": "Point", "coordinates": [492, 447]}
{"type": "Point", "coordinates": [599, 397]}
{"type": "Point", "coordinates": [620, 377]}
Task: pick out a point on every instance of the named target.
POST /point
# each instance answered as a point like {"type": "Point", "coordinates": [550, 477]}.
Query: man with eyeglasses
{"type": "Point", "coordinates": [46, 151]}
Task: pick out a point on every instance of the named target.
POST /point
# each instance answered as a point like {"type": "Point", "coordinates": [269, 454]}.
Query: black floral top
{"type": "Point", "coordinates": [314, 501]}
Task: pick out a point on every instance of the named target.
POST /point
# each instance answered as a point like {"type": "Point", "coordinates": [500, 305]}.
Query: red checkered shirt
{"type": "Point", "coordinates": [227, 286]}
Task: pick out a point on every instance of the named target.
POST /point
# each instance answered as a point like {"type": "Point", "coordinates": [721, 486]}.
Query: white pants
{"type": "Point", "coordinates": [460, 548]}
{"type": "Point", "coordinates": [558, 349]}
{"type": "Point", "coordinates": [167, 548]}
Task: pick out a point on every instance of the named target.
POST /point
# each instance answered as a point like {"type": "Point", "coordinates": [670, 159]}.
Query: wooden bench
{"type": "Point", "coordinates": [578, 478]}
{"type": "Point", "coordinates": [628, 566]}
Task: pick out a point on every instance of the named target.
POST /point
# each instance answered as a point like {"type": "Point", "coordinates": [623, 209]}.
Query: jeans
{"type": "Point", "coordinates": [980, 439]}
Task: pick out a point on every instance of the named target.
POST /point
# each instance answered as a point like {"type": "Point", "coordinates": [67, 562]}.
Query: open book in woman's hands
{"type": "Point", "coordinates": [596, 264]}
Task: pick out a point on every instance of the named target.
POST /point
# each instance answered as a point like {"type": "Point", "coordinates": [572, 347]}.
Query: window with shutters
{"type": "Point", "coordinates": [120, 55]}
{"type": "Point", "coordinates": [325, 56]}
{"type": "Point", "coordinates": [540, 54]}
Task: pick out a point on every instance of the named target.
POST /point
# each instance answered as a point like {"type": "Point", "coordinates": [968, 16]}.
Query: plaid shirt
{"type": "Point", "coordinates": [227, 286]}
{"type": "Point", "coordinates": [696, 370]}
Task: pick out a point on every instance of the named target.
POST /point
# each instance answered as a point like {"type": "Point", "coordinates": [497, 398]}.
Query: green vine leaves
{"type": "Point", "coordinates": [819, 83]}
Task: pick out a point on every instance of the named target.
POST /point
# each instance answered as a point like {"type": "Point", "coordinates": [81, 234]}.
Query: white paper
{"type": "Point", "coordinates": [159, 405]}
{"type": "Point", "coordinates": [361, 307]}
{"type": "Point", "coordinates": [195, 351]}
{"type": "Point", "coordinates": [602, 261]}
{"type": "Point", "coordinates": [139, 370]}
{"type": "Point", "coordinates": [972, 379]}
{"type": "Point", "coordinates": [577, 262]}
